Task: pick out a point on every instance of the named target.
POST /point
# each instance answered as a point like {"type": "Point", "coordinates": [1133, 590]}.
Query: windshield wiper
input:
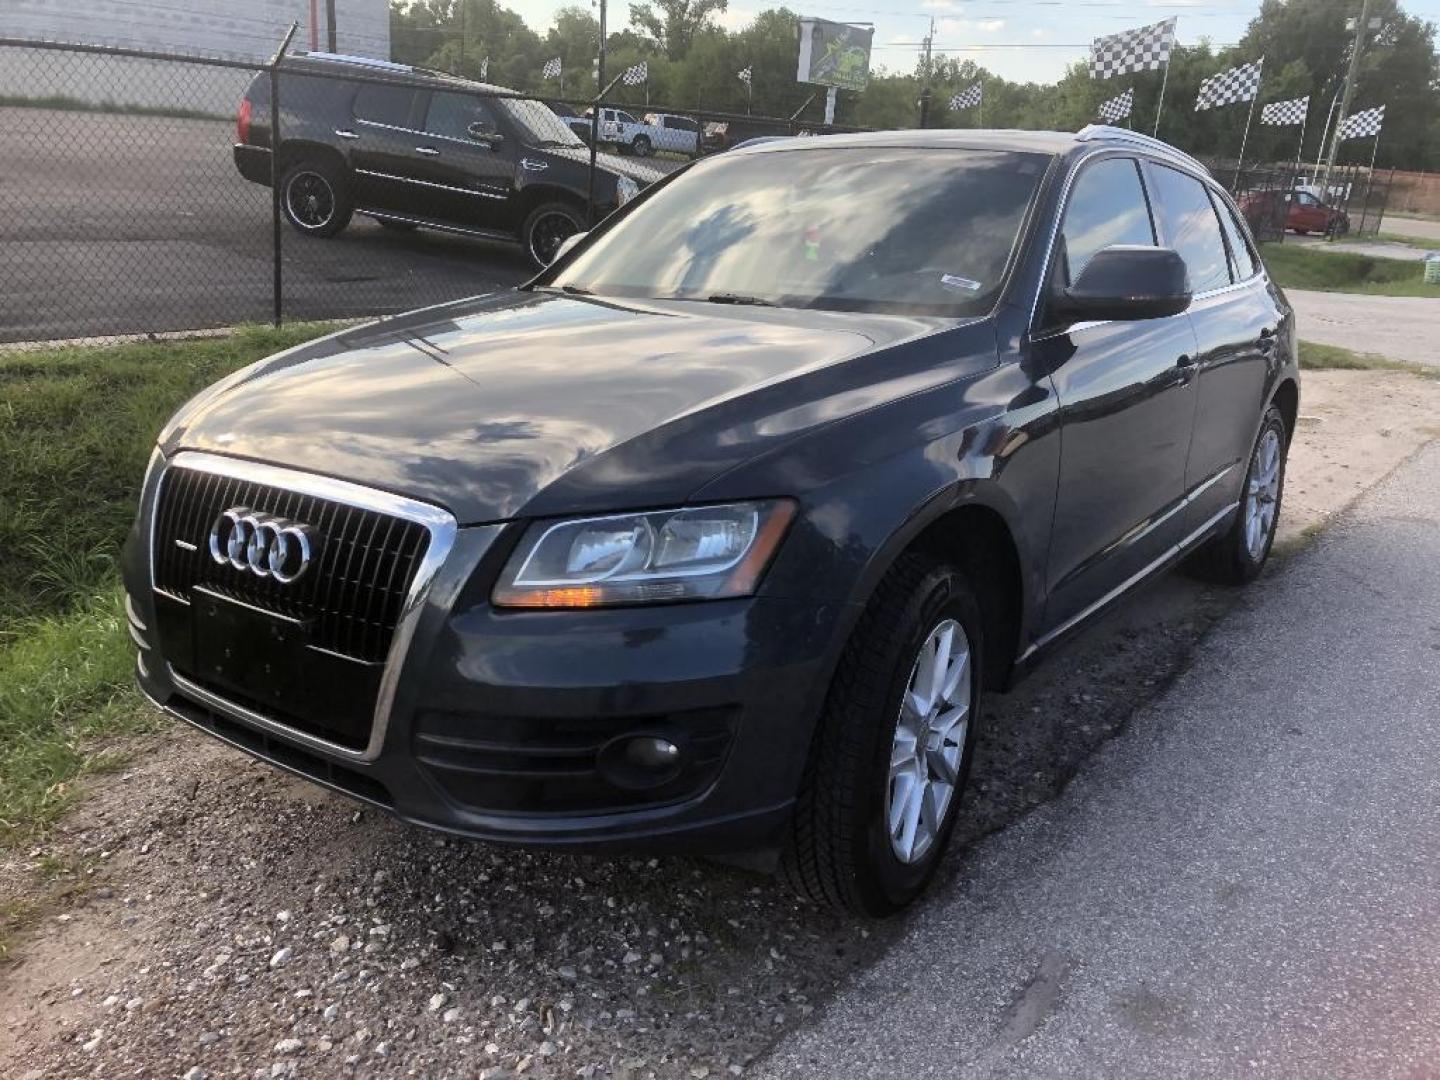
{"type": "Point", "coordinates": [739, 298]}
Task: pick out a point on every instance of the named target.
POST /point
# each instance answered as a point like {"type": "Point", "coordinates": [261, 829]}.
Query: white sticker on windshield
{"type": "Point", "coordinates": [951, 281]}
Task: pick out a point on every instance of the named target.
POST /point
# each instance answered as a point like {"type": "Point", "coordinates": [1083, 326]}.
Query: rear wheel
{"type": "Point", "coordinates": [315, 198]}
{"type": "Point", "coordinates": [547, 227]}
{"type": "Point", "coordinates": [1238, 554]}
{"type": "Point", "coordinates": [893, 747]}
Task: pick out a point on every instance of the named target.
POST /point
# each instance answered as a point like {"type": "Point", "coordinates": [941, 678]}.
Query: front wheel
{"type": "Point", "coordinates": [315, 198]}
{"type": "Point", "coordinates": [547, 227]}
{"type": "Point", "coordinates": [893, 747]}
{"type": "Point", "coordinates": [642, 146]}
{"type": "Point", "coordinates": [1238, 554]}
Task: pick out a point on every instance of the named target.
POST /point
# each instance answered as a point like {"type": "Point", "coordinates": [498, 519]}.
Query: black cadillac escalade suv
{"type": "Point", "coordinates": [414, 148]}
{"type": "Point", "coordinates": [714, 534]}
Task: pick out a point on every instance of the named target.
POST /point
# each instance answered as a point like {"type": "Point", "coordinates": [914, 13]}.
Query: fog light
{"type": "Point", "coordinates": [638, 762]}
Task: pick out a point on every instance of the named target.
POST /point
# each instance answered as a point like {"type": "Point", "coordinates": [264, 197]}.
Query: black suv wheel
{"type": "Point", "coordinates": [547, 227]}
{"type": "Point", "coordinates": [888, 767]}
{"type": "Point", "coordinates": [315, 198]}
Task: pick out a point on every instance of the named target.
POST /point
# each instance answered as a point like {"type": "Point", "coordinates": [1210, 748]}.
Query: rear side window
{"type": "Point", "coordinates": [1242, 260]}
{"type": "Point", "coordinates": [451, 115]}
{"type": "Point", "coordinates": [1190, 226]}
{"type": "Point", "coordinates": [384, 104]}
{"type": "Point", "coordinates": [1107, 207]}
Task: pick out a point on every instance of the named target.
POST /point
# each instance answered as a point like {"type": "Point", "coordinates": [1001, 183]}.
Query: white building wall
{"type": "Point", "coordinates": [248, 30]}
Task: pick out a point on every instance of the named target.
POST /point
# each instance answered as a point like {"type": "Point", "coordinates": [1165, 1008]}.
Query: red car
{"type": "Point", "coordinates": [1303, 212]}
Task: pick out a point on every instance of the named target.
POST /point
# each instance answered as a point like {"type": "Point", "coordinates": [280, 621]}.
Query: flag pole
{"type": "Point", "coordinates": [1300, 148]}
{"type": "Point", "coordinates": [1160, 105]}
{"type": "Point", "coordinates": [1245, 138]}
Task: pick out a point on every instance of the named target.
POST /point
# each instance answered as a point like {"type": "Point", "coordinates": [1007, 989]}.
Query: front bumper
{"type": "Point", "coordinates": [499, 719]}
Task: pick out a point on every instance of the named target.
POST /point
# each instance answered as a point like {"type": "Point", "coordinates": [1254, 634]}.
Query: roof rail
{"type": "Point", "coordinates": [1110, 133]}
{"type": "Point", "coordinates": [363, 61]}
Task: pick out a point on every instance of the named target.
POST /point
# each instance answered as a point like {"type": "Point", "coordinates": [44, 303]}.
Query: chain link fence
{"type": "Point", "coordinates": [143, 195]}
{"type": "Point", "coordinates": [1281, 197]}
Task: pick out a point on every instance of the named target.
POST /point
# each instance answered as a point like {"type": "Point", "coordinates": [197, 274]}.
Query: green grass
{"type": "Point", "coordinates": [76, 428]}
{"type": "Point", "coordinates": [1316, 357]}
{"type": "Point", "coordinates": [1294, 267]}
{"type": "Point", "coordinates": [1419, 243]}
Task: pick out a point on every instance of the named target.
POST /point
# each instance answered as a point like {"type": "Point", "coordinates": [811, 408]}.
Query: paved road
{"type": "Point", "coordinates": [113, 224]}
{"type": "Point", "coordinates": [1247, 882]}
{"type": "Point", "coordinates": [1376, 249]}
{"type": "Point", "coordinates": [1399, 327]}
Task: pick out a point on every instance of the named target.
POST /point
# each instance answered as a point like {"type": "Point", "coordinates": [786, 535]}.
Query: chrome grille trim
{"type": "Point", "coordinates": [440, 525]}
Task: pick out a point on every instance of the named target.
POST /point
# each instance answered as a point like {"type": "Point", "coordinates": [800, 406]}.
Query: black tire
{"type": "Point", "coordinates": [397, 226]}
{"type": "Point", "coordinates": [1230, 558]}
{"type": "Point", "coordinates": [838, 850]}
{"type": "Point", "coordinates": [315, 198]}
{"type": "Point", "coordinates": [544, 230]}
{"type": "Point", "coordinates": [642, 146]}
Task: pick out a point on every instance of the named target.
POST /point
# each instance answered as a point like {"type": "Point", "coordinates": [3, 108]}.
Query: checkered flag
{"type": "Point", "coordinates": [1146, 48]}
{"type": "Point", "coordinates": [551, 70]}
{"type": "Point", "coordinates": [968, 99]}
{"type": "Point", "coordinates": [1286, 113]}
{"type": "Point", "coordinates": [744, 75]}
{"type": "Point", "coordinates": [636, 75]}
{"type": "Point", "coordinates": [1363, 124]}
{"type": "Point", "coordinates": [1238, 84]}
{"type": "Point", "coordinates": [1117, 108]}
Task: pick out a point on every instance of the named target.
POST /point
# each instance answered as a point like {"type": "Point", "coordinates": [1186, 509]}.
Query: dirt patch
{"type": "Point", "coordinates": [238, 922]}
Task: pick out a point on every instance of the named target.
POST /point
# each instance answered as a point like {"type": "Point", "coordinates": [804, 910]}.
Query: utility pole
{"type": "Point", "coordinates": [1362, 24]}
{"type": "Point", "coordinates": [925, 93]}
{"type": "Point", "coordinates": [330, 23]}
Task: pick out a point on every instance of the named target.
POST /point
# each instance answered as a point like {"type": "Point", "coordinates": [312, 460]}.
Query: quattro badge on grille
{"type": "Point", "coordinates": [263, 544]}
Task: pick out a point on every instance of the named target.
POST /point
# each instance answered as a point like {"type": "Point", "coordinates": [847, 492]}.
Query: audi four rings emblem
{"type": "Point", "coordinates": [262, 544]}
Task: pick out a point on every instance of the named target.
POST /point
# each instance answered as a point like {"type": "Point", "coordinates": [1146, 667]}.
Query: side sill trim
{"type": "Point", "coordinates": [1134, 579]}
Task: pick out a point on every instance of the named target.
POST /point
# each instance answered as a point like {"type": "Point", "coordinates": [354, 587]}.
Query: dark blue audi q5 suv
{"type": "Point", "coordinates": [713, 535]}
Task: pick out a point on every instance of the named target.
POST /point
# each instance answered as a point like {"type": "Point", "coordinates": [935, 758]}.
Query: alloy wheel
{"type": "Point", "coordinates": [310, 200]}
{"type": "Point", "coordinates": [547, 234]}
{"type": "Point", "coordinates": [929, 743]}
{"type": "Point", "coordinates": [1262, 495]}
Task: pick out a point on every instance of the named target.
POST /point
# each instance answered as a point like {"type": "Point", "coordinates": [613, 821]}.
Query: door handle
{"type": "Point", "coordinates": [346, 133]}
{"type": "Point", "coordinates": [428, 151]}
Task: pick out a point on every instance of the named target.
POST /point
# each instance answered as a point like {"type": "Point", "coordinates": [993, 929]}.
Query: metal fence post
{"type": "Point", "coordinates": [275, 229]}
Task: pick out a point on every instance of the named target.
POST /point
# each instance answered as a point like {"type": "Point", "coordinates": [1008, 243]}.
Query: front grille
{"type": "Point", "coordinates": [353, 597]}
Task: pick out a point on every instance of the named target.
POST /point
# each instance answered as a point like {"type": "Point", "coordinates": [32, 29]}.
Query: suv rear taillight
{"type": "Point", "coordinates": [242, 121]}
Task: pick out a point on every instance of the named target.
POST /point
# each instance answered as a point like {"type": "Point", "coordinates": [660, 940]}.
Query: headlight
{"type": "Point", "coordinates": [625, 190]}
{"type": "Point", "coordinates": [699, 553]}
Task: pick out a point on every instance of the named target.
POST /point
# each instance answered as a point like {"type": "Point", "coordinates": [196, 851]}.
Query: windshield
{"type": "Point", "coordinates": [538, 124]}
{"type": "Point", "coordinates": [881, 229]}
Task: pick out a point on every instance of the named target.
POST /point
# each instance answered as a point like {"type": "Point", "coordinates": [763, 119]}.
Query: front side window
{"type": "Point", "coordinates": [1242, 260]}
{"type": "Point", "coordinates": [535, 122]}
{"type": "Point", "coordinates": [876, 229]}
{"type": "Point", "coordinates": [1106, 207]}
{"type": "Point", "coordinates": [384, 104]}
{"type": "Point", "coordinates": [451, 115]}
{"type": "Point", "coordinates": [1188, 221]}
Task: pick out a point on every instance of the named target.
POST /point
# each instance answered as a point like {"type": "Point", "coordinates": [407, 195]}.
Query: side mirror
{"type": "Point", "coordinates": [566, 246]}
{"type": "Point", "coordinates": [483, 133]}
{"type": "Point", "coordinates": [1124, 283]}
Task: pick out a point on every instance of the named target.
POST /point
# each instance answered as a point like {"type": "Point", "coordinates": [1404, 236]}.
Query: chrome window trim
{"type": "Point", "coordinates": [431, 184]}
{"type": "Point", "coordinates": [440, 524]}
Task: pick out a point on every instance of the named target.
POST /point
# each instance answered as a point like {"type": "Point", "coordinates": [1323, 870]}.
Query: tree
{"type": "Point", "coordinates": [676, 22]}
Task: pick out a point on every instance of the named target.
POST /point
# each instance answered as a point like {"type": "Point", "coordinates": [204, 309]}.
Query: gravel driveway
{"type": "Point", "coordinates": [1247, 883]}
{"type": "Point", "coordinates": [1399, 327]}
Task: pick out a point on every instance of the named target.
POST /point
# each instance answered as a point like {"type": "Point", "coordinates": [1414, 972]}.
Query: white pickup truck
{"type": "Point", "coordinates": [657, 131]}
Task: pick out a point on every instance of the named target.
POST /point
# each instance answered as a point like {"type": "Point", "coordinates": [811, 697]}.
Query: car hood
{"type": "Point", "coordinates": [536, 403]}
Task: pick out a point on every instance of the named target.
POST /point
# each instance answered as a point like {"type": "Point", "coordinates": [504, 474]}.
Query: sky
{"type": "Point", "coordinates": [1023, 40]}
